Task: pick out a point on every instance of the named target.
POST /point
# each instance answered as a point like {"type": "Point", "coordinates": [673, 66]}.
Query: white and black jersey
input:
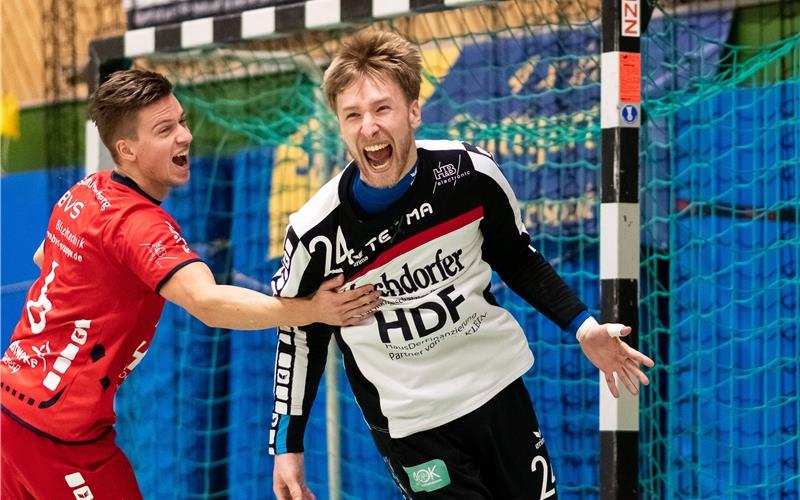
{"type": "Point", "coordinates": [439, 347]}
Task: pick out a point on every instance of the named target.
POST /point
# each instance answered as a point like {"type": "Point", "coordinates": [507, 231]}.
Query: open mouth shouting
{"type": "Point", "coordinates": [180, 160]}
{"type": "Point", "coordinates": [378, 155]}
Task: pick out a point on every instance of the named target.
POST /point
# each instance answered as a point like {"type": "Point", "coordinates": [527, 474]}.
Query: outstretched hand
{"type": "Point", "coordinates": [343, 308]}
{"type": "Point", "coordinates": [602, 345]}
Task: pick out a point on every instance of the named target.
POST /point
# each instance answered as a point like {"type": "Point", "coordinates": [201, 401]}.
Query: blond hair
{"type": "Point", "coordinates": [376, 54]}
{"type": "Point", "coordinates": [114, 106]}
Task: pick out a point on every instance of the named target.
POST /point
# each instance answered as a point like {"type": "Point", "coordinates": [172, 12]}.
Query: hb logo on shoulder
{"type": "Point", "coordinates": [79, 488]}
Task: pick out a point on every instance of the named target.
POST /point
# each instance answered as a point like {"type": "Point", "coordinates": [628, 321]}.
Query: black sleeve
{"type": "Point", "coordinates": [317, 336]}
{"type": "Point", "coordinates": [507, 249]}
{"type": "Point", "coordinates": [301, 352]}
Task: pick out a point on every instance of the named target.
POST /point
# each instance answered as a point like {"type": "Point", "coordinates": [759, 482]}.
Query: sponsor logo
{"type": "Point", "coordinates": [64, 247]}
{"type": "Point", "coordinates": [19, 352]}
{"type": "Point", "coordinates": [42, 351]}
{"type": "Point", "coordinates": [539, 439]}
{"type": "Point", "coordinates": [158, 251]}
{"type": "Point", "coordinates": [339, 252]}
{"type": "Point", "coordinates": [448, 173]}
{"type": "Point", "coordinates": [138, 356]}
{"type": "Point", "coordinates": [71, 205]}
{"type": "Point", "coordinates": [418, 279]}
{"type": "Point", "coordinates": [12, 365]}
{"type": "Point", "coordinates": [442, 307]}
{"type": "Point", "coordinates": [418, 348]}
{"type": "Point", "coordinates": [80, 489]}
{"type": "Point", "coordinates": [177, 237]}
{"type": "Point", "coordinates": [66, 232]}
{"type": "Point", "coordinates": [419, 213]}
{"type": "Point", "coordinates": [91, 183]}
{"type": "Point", "coordinates": [429, 476]}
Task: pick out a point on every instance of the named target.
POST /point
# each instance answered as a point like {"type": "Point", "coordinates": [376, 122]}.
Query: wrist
{"type": "Point", "coordinates": [587, 325]}
{"type": "Point", "coordinates": [298, 311]}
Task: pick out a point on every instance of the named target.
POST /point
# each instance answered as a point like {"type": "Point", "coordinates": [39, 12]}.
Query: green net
{"type": "Point", "coordinates": [720, 159]}
{"type": "Point", "coordinates": [719, 282]}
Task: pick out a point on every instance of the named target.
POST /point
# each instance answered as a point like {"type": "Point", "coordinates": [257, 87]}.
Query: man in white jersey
{"type": "Point", "coordinates": [437, 370]}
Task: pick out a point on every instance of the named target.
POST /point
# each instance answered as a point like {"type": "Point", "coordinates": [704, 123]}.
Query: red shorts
{"type": "Point", "coordinates": [34, 466]}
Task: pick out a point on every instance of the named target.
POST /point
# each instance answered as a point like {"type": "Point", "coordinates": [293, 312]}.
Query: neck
{"type": "Point", "coordinates": [412, 160]}
{"type": "Point", "coordinates": [131, 173]}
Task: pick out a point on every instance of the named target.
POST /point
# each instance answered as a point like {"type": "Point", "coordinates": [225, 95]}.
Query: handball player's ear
{"type": "Point", "coordinates": [415, 115]}
{"type": "Point", "coordinates": [124, 150]}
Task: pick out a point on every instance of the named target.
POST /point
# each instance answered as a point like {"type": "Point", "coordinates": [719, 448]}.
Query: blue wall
{"type": "Point", "coordinates": [26, 200]}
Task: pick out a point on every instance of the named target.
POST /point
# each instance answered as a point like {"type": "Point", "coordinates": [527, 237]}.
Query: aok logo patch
{"type": "Point", "coordinates": [429, 476]}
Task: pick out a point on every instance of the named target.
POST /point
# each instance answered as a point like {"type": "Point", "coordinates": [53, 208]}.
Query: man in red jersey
{"type": "Point", "coordinates": [110, 258]}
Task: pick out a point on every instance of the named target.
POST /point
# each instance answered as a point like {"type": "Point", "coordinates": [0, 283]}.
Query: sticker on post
{"type": "Point", "coordinates": [630, 115]}
{"type": "Point", "coordinates": [631, 18]}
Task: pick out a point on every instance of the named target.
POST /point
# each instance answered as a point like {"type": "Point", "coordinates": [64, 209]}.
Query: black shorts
{"type": "Point", "coordinates": [495, 452]}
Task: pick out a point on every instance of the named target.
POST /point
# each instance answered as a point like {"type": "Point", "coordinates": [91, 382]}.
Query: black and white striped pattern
{"type": "Point", "coordinates": [623, 22]}
{"type": "Point", "coordinates": [253, 24]}
{"type": "Point", "coordinates": [107, 55]}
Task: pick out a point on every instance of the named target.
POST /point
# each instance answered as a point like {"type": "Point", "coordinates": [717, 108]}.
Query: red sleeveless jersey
{"type": "Point", "coordinates": [89, 318]}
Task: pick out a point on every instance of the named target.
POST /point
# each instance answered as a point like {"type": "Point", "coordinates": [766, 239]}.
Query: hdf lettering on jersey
{"type": "Point", "coordinates": [443, 309]}
{"type": "Point", "coordinates": [448, 174]}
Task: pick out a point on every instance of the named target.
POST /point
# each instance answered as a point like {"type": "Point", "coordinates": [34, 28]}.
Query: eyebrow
{"type": "Point", "coordinates": [354, 107]}
{"type": "Point", "coordinates": [168, 120]}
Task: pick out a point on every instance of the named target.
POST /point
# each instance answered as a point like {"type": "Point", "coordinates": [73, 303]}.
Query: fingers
{"type": "Point", "coordinates": [366, 292]}
{"type": "Point", "coordinates": [282, 491]}
{"type": "Point", "coordinates": [627, 380]}
{"type": "Point", "coordinates": [638, 356]}
{"type": "Point", "coordinates": [632, 367]}
{"type": "Point", "coordinates": [368, 301]}
{"type": "Point", "coordinates": [612, 384]}
{"type": "Point", "coordinates": [359, 302]}
{"type": "Point", "coordinates": [362, 305]}
{"type": "Point", "coordinates": [333, 283]}
{"type": "Point", "coordinates": [295, 491]}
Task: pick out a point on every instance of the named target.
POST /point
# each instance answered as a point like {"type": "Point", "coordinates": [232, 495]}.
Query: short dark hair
{"type": "Point", "coordinates": [376, 54]}
{"type": "Point", "coordinates": [115, 104]}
